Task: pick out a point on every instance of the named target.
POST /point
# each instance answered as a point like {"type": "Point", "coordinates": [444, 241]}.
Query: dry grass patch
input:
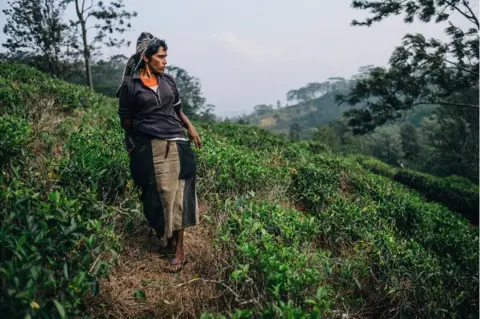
{"type": "Point", "coordinates": [137, 287]}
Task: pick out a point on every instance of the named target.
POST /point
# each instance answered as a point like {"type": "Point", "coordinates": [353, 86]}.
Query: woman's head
{"type": "Point", "coordinates": [155, 56]}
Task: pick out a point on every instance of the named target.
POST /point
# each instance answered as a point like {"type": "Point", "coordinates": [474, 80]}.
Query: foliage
{"type": "Point", "coordinates": [451, 136]}
{"type": "Point", "coordinates": [409, 141]}
{"type": "Point", "coordinates": [15, 134]}
{"type": "Point", "coordinates": [456, 193]}
{"type": "Point", "coordinates": [107, 75]}
{"type": "Point", "coordinates": [304, 232]}
{"type": "Point", "coordinates": [404, 254]}
{"type": "Point", "coordinates": [412, 239]}
{"type": "Point", "coordinates": [58, 230]}
{"type": "Point", "coordinates": [110, 20]}
{"type": "Point", "coordinates": [35, 29]}
{"type": "Point", "coordinates": [422, 71]}
{"type": "Point", "coordinates": [190, 89]}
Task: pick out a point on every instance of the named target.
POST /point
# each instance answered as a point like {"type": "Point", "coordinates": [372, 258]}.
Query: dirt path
{"type": "Point", "coordinates": [137, 287]}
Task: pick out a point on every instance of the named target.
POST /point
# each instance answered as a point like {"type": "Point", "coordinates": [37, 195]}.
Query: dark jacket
{"type": "Point", "coordinates": [152, 113]}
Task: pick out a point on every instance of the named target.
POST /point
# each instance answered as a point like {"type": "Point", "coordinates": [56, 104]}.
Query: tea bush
{"type": "Point", "coordinates": [273, 247]}
{"type": "Point", "coordinates": [95, 161]}
{"type": "Point", "coordinates": [454, 192]}
{"type": "Point", "coordinates": [456, 196]}
{"type": "Point", "coordinates": [58, 233]}
{"type": "Point", "coordinates": [49, 246]}
{"type": "Point", "coordinates": [433, 248]}
{"type": "Point", "coordinates": [228, 169]}
{"type": "Point", "coordinates": [14, 135]}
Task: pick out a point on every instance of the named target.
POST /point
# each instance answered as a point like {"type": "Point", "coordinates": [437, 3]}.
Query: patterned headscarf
{"type": "Point", "coordinates": [143, 42]}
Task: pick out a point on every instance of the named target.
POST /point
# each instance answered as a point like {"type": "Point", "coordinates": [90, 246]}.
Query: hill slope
{"type": "Point", "coordinates": [287, 229]}
{"type": "Point", "coordinates": [310, 114]}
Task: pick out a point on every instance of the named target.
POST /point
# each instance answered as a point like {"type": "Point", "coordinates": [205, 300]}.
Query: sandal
{"type": "Point", "coordinates": [176, 266]}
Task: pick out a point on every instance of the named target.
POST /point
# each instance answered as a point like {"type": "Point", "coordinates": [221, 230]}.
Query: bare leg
{"type": "Point", "coordinates": [176, 263]}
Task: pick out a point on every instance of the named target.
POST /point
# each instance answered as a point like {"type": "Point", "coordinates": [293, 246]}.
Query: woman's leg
{"type": "Point", "coordinates": [177, 262]}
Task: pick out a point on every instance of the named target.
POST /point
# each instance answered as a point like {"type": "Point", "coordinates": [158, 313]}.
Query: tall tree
{"type": "Point", "coordinates": [452, 137]}
{"type": "Point", "coordinates": [262, 109]}
{"type": "Point", "coordinates": [326, 134]}
{"type": "Point", "coordinates": [421, 71]}
{"type": "Point", "coordinates": [409, 141]}
{"type": "Point", "coordinates": [109, 22]}
{"type": "Point", "coordinates": [35, 32]}
{"type": "Point", "coordinates": [105, 74]}
{"type": "Point", "coordinates": [295, 130]}
{"type": "Point", "coordinates": [190, 88]}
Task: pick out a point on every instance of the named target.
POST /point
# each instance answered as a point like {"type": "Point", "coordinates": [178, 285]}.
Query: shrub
{"type": "Point", "coordinates": [49, 243]}
{"type": "Point", "coordinates": [14, 135]}
{"type": "Point", "coordinates": [456, 193]}
{"type": "Point", "coordinates": [457, 196]}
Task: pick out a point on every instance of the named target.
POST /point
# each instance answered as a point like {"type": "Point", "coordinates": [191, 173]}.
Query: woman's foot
{"type": "Point", "coordinates": [175, 264]}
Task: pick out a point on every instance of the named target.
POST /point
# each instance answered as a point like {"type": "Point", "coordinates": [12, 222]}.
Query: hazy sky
{"type": "Point", "coordinates": [253, 51]}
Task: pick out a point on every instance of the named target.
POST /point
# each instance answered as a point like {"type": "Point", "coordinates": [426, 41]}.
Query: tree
{"type": "Point", "coordinates": [409, 141]}
{"type": "Point", "coordinates": [105, 73]}
{"type": "Point", "coordinates": [262, 109]}
{"type": "Point", "coordinates": [110, 21]}
{"type": "Point", "coordinates": [385, 144]}
{"type": "Point", "coordinates": [207, 114]}
{"type": "Point", "coordinates": [451, 136]}
{"type": "Point", "coordinates": [326, 134]}
{"type": "Point", "coordinates": [193, 102]}
{"type": "Point", "coordinates": [295, 131]}
{"type": "Point", "coordinates": [36, 32]}
{"type": "Point", "coordinates": [421, 71]}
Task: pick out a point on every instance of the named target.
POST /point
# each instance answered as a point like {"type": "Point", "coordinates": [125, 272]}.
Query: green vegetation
{"type": "Point", "coordinates": [312, 233]}
{"type": "Point", "coordinates": [305, 224]}
{"type": "Point", "coordinates": [357, 242]}
{"type": "Point", "coordinates": [59, 193]}
{"type": "Point", "coordinates": [458, 194]}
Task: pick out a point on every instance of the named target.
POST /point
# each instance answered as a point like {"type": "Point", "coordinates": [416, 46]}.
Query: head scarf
{"type": "Point", "coordinates": [143, 42]}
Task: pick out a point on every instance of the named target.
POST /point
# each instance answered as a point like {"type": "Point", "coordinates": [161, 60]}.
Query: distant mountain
{"type": "Point", "coordinates": [312, 113]}
{"type": "Point", "coordinates": [308, 114]}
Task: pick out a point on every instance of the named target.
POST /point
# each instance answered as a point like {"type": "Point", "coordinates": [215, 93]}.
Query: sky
{"type": "Point", "coordinates": [253, 52]}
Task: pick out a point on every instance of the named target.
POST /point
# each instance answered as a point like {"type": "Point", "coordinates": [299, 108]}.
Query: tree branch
{"type": "Point", "coordinates": [471, 19]}
{"type": "Point", "coordinates": [465, 3]}
{"type": "Point", "coordinates": [460, 67]}
{"type": "Point", "coordinates": [447, 104]}
{"type": "Point", "coordinates": [83, 6]}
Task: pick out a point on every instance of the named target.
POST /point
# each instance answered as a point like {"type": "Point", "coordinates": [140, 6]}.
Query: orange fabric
{"type": "Point", "coordinates": [149, 82]}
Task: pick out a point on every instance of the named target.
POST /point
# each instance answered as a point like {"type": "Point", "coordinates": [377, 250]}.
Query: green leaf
{"type": "Point", "coordinates": [95, 287]}
{"type": "Point", "coordinates": [60, 309]}
{"type": "Point", "coordinates": [140, 295]}
{"type": "Point", "coordinates": [65, 270]}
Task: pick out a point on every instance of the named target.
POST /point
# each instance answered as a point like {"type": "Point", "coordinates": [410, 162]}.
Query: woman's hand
{"type": "Point", "coordinates": [192, 132]}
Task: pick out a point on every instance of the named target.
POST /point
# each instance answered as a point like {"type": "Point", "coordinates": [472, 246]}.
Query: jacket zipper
{"type": "Point", "coordinates": [159, 103]}
{"type": "Point", "coordinates": [158, 90]}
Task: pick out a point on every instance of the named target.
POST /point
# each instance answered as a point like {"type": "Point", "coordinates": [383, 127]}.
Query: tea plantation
{"type": "Point", "coordinates": [299, 232]}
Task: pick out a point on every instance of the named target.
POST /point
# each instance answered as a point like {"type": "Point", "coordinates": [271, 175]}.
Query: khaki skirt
{"type": "Point", "coordinates": [166, 172]}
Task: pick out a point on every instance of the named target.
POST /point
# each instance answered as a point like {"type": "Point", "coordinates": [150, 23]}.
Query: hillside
{"type": "Point", "coordinates": [288, 229]}
{"type": "Point", "coordinates": [309, 114]}
{"type": "Point", "coordinates": [317, 111]}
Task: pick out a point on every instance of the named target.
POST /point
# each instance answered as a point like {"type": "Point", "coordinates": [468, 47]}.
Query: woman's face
{"type": "Point", "coordinates": [158, 61]}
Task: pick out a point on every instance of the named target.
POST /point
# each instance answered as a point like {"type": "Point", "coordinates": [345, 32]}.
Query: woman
{"type": "Point", "coordinates": [161, 160]}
